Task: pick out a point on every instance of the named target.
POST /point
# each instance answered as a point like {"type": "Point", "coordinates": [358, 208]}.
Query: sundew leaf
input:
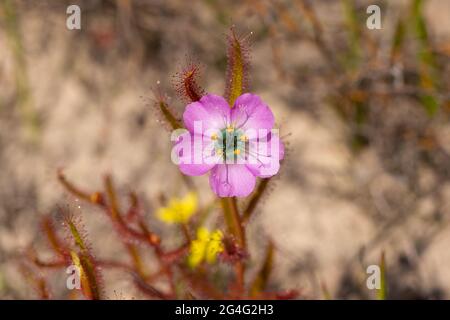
{"type": "Point", "coordinates": [325, 292]}
{"type": "Point", "coordinates": [238, 67]}
{"type": "Point", "coordinates": [163, 109]}
{"type": "Point", "coordinates": [353, 56]}
{"type": "Point", "coordinates": [261, 279]}
{"type": "Point", "coordinates": [88, 276]}
{"type": "Point", "coordinates": [429, 73]}
{"type": "Point", "coordinates": [36, 281]}
{"type": "Point", "coordinates": [76, 235]}
{"type": "Point", "coordinates": [382, 292]}
{"type": "Point", "coordinates": [83, 260]}
{"type": "Point", "coordinates": [122, 227]}
{"type": "Point", "coordinates": [136, 257]}
{"type": "Point", "coordinates": [94, 198]}
{"type": "Point", "coordinates": [430, 104]}
{"type": "Point", "coordinates": [55, 243]}
{"type": "Point", "coordinates": [397, 41]}
{"type": "Point", "coordinates": [255, 199]}
{"type": "Point", "coordinates": [11, 24]}
{"type": "Point", "coordinates": [186, 83]}
{"type": "Point", "coordinates": [168, 115]}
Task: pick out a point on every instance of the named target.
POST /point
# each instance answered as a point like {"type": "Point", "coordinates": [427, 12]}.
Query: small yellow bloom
{"type": "Point", "coordinates": [179, 210]}
{"type": "Point", "coordinates": [205, 247]}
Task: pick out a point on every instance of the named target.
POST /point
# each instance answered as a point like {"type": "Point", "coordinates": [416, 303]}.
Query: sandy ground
{"type": "Point", "coordinates": [95, 110]}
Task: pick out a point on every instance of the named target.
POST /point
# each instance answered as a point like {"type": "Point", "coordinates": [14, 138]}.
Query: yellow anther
{"type": "Point", "coordinates": [243, 138]}
{"type": "Point", "coordinates": [219, 152]}
{"type": "Point", "coordinates": [237, 152]}
{"type": "Point", "coordinates": [214, 136]}
{"type": "Point", "coordinates": [230, 129]}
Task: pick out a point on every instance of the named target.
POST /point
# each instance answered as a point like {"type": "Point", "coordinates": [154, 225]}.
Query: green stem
{"type": "Point", "coordinates": [233, 220]}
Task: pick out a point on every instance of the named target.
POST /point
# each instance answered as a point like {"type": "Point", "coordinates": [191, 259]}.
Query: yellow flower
{"type": "Point", "coordinates": [179, 210]}
{"type": "Point", "coordinates": [205, 247]}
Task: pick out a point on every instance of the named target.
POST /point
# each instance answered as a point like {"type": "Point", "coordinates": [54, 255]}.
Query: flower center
{"type": "Point", "coordinates": [230, 143]}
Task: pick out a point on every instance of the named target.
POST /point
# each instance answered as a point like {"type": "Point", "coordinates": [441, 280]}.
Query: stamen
{"type": "Point", "coordinates": [237, 152]}
{"type": "Point", "coordinates": [230, 129]}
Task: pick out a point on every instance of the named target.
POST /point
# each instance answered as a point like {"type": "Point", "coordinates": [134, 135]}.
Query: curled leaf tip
{"type": "Point", "coordinates": [186, 82]}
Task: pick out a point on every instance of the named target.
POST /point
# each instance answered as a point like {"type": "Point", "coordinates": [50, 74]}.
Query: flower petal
{"type": "Point", "coordinates": [195, 169]}
{"type": "Point", "coordinates": [211, 110]}
{"type": "Point", "coordinates": [249, 112]}
{"type": "Point", "coordinates": [265, 156]}
{"type": "Point", "coordinates": [195, 154]}
{"type": "Point", "coordinates": [232, 180]}
{"type": "Point", "coordinates": [197, 252]}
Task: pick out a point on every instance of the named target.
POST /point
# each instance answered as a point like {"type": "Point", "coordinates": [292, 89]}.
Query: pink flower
{"type": "Point", "coordinates": [236, 144]}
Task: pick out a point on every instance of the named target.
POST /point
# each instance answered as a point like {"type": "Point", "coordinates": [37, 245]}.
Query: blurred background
{"type": "Point", "coordinates": [365, 114]}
